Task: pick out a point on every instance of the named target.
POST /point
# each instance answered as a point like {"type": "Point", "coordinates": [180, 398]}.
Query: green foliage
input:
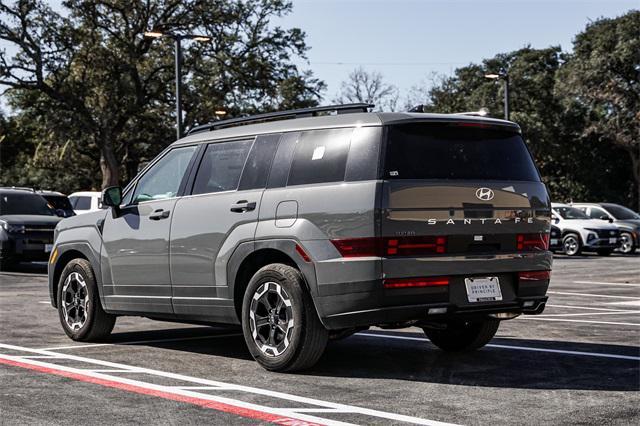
{"type": "Point", "coordinates": [95, 96]}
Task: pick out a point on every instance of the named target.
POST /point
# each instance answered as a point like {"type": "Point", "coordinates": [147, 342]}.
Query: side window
{"type": "Point", "coordinates": [321, 156]}
{"type": "Point", "coordinates": [163, 179]}
{"type": "Point", "coordinates": [597, 213]}
{"type": "Point", "coordinates": [364, 152]}
{"type": "Point", "coordinates": [221, 167]}
{"type": "Point", "coordinates": [256, 170]}
{"type": "Point", "coordinates": [282, 161]}
{"type": "Point", "coordinates": [82, 203]}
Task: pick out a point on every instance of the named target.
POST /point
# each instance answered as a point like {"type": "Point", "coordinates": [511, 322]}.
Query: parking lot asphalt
{"type": "Point", "coordinates": [578, 362]}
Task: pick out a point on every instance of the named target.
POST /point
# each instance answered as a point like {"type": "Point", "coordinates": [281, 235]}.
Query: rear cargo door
{"type": "Point", "coordinates": [457, 193]}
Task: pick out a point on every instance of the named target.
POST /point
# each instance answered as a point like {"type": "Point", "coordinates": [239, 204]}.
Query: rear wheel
{"type": "Point", "coordinates": [463, 336]}
{"type": "Point", "coordinates": [279, 322]}
{"type": "Point", "coordinates": [626, 243]}
{"type": "Point", "coordinates": [79, 308]}
{"type": "Point", "coordinates": [572, 245]}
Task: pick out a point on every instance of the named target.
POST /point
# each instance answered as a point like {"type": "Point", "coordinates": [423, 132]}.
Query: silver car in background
{"type": "Point", "coordinates": [581, 233]}
{"type": "Point", "coordinates": [627, 221]}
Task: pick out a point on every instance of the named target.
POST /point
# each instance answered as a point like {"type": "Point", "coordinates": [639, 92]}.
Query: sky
{"type": "Point", "coordinates": [408, 40]}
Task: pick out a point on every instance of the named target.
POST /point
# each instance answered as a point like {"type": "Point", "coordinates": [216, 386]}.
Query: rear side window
{"type": "Point", "coordinates": [221, 167]}
{"type": "Point", "coordinates": [256, 170]}
{"type": "Point", "coordinates": [320, 156]}
{"type": "Point", "coordinates": [457, 152]}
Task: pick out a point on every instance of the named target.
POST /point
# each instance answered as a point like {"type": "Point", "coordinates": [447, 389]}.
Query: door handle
{"type": "Point", "coordinates": [243, 206]}
{"type": "Point", "coordinates": [159, 214]}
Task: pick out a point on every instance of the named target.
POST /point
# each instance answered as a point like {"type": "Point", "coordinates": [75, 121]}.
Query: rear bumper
{"type": "Point", "coordinates": [420, 313]}
{"type": "Point", "coordinates": [379, 306]}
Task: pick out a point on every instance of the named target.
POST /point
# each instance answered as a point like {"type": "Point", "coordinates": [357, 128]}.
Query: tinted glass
{"type": "Point", "coordinates": [321, 156]}
{"type": "Point", "coordinates": [163, 179]}
{"type": "Point", "coordinates": [570, 213]}
{"type": "Point", "coordinates": [221, 167]}
{"type": "Point", "coordinates": [256, 169]}
{"type": "Point", "coordinates": [282, 161]}
{"type": "Point", "coordinates": [363, 154]}
{"type": "Point", "coordinates": [58, 202]}
{"type": "Point", "coordinates": [24, 204]}
{"type": "Point", "coordinates": [457, 152]}
{"type": "Point", "coordinates": [621, 213]}
{"type": "Point", "coordinates": [596, 213]}
{"type": "Point", "coordinates": [82, 203]}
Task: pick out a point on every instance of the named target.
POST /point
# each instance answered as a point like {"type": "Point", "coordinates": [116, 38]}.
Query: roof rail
{"type": "Point", "coordinates": [19, 188]}
{"type": "Point", "coordinates": [282, 115]}
{"type": "Point", "coordinates": [482, 112]}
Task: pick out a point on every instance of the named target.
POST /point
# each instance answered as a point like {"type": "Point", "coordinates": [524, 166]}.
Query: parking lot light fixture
{"type": "Point", "coordinates": [502, 75]}
{"type": "Point", "coordinates": [177, 38]}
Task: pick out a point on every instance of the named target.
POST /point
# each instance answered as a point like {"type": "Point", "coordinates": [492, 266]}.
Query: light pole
{"type": "Point", "coordinates": [177, 38]}
{"type": "Point", "coordinates": [502, 75]}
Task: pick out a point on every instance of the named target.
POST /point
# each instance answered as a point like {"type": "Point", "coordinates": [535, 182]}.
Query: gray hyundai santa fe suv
{"type": "Point", "coordinates": [304, 226]}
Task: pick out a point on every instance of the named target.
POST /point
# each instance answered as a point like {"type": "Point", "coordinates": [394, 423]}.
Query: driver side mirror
{"type": "Point", "coordinates": [112, 197]}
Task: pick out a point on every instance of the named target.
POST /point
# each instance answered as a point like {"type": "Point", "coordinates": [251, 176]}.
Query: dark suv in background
{"type": "Point", "coordinates": [304, 227]}
{"type": "Point", "coordinates": [27, 224]}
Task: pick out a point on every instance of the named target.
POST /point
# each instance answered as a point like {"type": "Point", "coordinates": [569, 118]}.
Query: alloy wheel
{"type": "Point", "coordinates": [75, 299]}
{"type": "Point", "coordinates": [271, 318]}
{"type": "Point", "coordinates": [626, 243]}
{"type": "Point", "coordinates": [570, 246]}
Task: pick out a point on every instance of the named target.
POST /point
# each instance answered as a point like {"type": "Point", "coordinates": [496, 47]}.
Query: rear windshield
{"type": "Point", "coordinates": [24, 204]}
{"type": "Point", "coordinates": [457, 152]}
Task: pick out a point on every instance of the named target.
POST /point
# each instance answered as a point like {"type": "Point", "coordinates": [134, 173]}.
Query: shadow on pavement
{"type": "Point", "coordinates": [378, 358]}
{"type": "Point", "coordinates": [28, 268]}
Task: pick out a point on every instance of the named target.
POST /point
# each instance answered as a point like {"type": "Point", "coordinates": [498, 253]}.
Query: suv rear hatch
{"type": "Point", "coordinates": [460, 199]}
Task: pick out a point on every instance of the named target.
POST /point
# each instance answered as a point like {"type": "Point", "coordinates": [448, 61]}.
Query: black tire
{"type": "Point", "coordinates": [97, 324]}
{"type": "Point", "coordinates": [628, 247]}
{"type": "Point", "coordinates": [307, 336]}
{"type": "Point", "coordinates": [463, 336]}
{"type": "Point", "coordinates": [7, 264]}
{"type": "Point", "coordinates": [571, 244]}
{"type": "Point", "coordinates": [605, 252]}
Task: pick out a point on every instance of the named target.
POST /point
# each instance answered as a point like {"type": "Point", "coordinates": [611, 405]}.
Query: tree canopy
{"type": "Point", "coordinates": [87, 84]}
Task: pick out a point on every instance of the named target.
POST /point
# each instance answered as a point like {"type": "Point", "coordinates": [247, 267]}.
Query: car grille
{"type": "Point", "coordinates": [39, 228]}
{"type": "Point", "coordinates": [608, 233]}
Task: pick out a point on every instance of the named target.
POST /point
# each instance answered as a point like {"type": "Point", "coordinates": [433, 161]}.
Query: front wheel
{"type": "Point", "coordinates": [279, 322]}
{"type": "Point", "coordinates": [571, 245]}
{"type": "Point", "coordinates": [626, 243]}
{"type": "Point", "coordinates": [463, 336]}
{"type": "Point", "coordinates": [79, 308]}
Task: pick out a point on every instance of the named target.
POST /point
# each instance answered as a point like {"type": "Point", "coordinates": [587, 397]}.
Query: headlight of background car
{"type": "Point", "coordinates": [593, 234]}
{"type": "Point", "coordinates": [12, 229]}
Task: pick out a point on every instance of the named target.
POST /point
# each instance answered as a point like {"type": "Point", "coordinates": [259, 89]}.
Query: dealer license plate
{"type": "Point", "coordinates": [48, 248]}
{"type": "Point", "coordinates": [485, 289]}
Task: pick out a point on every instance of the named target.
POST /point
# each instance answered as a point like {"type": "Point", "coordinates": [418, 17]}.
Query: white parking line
{"type": "Point", "coordinates": [582, 321]}
{"type": "Point", "coordinates": [567, 293]}
{"type": "Point", "coordinates": [607, 283]}
{"type": "Point", "coordinates": [630, 303]}
{"type": "Point", "coordinates": [593, 309]}
{"type": "Point", "coordinates": [517, 348]}
{"type": "Point", "coordinates": [139, 342]}
{"type": "Point", "coordinates": [224, 404]}
{"type": "Point", "coordinates": [588, 314]}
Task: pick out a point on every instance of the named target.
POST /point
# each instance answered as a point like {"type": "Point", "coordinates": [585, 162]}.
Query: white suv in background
{"type": "Point", "coordinates": [86, 201]}
{"type": "Point", "coordinates": [581, 233]}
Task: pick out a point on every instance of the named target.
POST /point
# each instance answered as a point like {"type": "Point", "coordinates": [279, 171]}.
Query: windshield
{"type": "Point", "coordinates": [621, 213]}
{"type": "Point", "coordinates": [570, 213]}
{"type": "Point", "coordinates": [58, 202]}
{"type": "Point", "coordinates": [24, 204]}
{"type": "Point", "coordinates": [457, 151]}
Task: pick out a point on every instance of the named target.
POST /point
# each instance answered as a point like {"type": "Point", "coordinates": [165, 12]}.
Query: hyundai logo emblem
{"type": "Point", "coordinates": [484, 194]}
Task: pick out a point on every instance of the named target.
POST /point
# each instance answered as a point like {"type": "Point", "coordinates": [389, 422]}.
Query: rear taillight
{"type": "Point", "coordinates": [531, 242]}
{"type": "Point", "coordinates": [534, 275]}
{"type": "Point", "coordinates": [415, 282]}
{"type": "Point", "coordinates": [390, 246]}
